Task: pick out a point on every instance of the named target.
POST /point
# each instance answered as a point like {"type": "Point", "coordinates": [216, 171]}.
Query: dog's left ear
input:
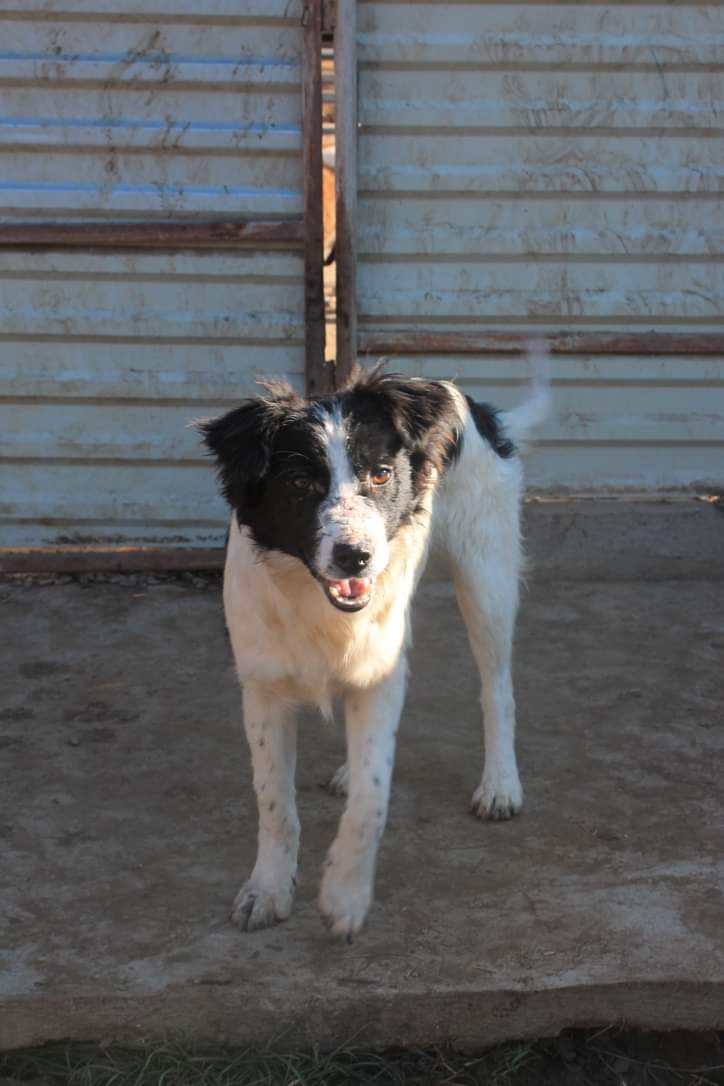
{"type": "Point", "coordinates": [242, 442]}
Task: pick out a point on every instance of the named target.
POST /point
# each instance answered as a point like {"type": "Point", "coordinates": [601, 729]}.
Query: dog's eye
{"type": "Point", "coordinates": [380, 476]}
{"type": "Point", "coordinates": [301, 482]}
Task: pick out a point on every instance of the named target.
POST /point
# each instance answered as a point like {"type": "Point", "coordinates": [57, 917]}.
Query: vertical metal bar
{"type": "Point", "coordinates": [318, 375]}
{"type": "Point", "coordinates": [345, 60]}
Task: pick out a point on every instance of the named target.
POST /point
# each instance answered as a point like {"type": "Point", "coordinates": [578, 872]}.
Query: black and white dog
{"type": "Point", "coordinates": [334, 501]}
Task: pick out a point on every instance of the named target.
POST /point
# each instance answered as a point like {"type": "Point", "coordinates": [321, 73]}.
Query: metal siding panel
{"type": "Point", "coordinates": [143, 110]}
{"type": "Point", "coordinates": [106, 431]}
{"type": "Point", "coordinates": [540, 100]}
{"type": "Point", "coordinates": [227, 12]}
{"type": "Point", "coordinates": [199, 372]}
{"type": "Point", "coordinates": [112, 111]}
{"type": "Point", "coordinates": [526, 164]}
{"type": "Point", "coordinates": [490, 228]}
{"type": "Point", "coordinates": [520, 34]}
{"type": "Point", "coordinates": [628, 468]}
{"type": "Point", "coordinates": [479, 375]}
{"type": "Point", "coordinates": [146, 343]}
{"type": "Point", "coordinates": [553, 167]}
{"type": "Point", "coordinates": [85, 501]}
{"type": "Point", "coordinates": [438, 292]}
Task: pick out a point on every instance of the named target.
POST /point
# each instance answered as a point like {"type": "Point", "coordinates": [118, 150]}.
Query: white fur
{"type": "Point", "coordinates": [346, 516]}
{"type": "Point", "coordinates": [522, 420]}
{"type": "Point", "coordinates": [292, 646]}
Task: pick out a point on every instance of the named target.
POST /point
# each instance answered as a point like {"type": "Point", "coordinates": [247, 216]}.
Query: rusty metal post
{"type": "Point", "coordinates": [346, 167]}
{"type": "Point", "coordinates": [318, 376]}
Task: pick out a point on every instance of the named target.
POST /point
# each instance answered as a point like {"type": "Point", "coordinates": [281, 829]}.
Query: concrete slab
{"type": "Point", "coordinates": [127, 823]}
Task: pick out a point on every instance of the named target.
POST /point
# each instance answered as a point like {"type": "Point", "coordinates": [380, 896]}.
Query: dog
{"type": "Point", "coordinates": [334, 503]}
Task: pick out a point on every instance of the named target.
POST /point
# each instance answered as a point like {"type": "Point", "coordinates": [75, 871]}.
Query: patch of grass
{"type": "Point", "coordinates": [608, 1057]}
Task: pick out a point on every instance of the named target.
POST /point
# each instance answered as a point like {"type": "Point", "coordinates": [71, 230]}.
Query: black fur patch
{"type": "Point", "coordinates": [272, 468]}
{"type": "Point", "coordinates": [488, 426]}
{"type": "Point", "coordinates": [422, 413]}
{"type": "Point", "coordinates": [242, 441]}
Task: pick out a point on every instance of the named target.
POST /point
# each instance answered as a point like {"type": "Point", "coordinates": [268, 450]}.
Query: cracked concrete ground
{"type": "Point", "coordinates": [127, 823]}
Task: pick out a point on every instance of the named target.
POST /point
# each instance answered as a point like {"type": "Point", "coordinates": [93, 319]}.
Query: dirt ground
{"type": "Point", "coordinates": [127, 822]}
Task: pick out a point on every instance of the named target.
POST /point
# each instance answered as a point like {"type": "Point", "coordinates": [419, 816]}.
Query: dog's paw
{"type": "Point", "coordinates": [256, 907]}
{"type": "Point", "coordinates": [339, 783]}
{"type": "Point", "coordinates": [344, 901]}
{"type": "Point", "coordinates": [497, 800]}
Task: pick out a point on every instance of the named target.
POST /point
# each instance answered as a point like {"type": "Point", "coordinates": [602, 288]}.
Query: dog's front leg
{"type": "Point", "coordinates": [271, 731]}
{"type": "Point", "coordinates": [372, 717]}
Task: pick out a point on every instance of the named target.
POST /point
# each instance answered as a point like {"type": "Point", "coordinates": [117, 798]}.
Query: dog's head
{"type": "Point", "coordinates": [331, 480]}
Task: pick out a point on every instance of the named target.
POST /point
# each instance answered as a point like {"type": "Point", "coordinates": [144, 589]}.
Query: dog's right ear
{"type": "Point", "coordinates": [241, 442]}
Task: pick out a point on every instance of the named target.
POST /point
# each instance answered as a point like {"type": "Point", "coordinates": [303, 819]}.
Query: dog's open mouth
{"type": "Point", "coordinates": [352, 594]}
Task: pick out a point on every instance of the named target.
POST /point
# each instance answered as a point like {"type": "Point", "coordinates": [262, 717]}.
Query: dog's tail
{"type": "Point", "coordinates": [523, 419]}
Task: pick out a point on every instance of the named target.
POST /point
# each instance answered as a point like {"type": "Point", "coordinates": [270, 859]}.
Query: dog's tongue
{"type": "Point", "coordinates": [352, 587]}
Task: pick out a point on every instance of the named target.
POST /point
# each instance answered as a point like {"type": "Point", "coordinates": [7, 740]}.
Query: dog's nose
{"type": "Point", "coordinates": [351, 560]}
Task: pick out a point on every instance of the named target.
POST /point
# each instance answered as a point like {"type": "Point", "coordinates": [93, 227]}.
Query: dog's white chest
{"type": "Point", "coordinates": [286, 634]}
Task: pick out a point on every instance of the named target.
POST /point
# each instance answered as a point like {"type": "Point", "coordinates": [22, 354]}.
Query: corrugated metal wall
{"type": "Point", "coordinates": [557, 167]}
{"type": "Point", "coordinates": [140, 110]}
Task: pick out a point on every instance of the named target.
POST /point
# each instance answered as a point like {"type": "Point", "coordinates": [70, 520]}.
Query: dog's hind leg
{"type": "Point", "coordinates": [479, 525]}
{"type": "Point", "coordinates": [271, 731]}
{"type": "Point", "coordinates": [372, 718]}
{"type": "Point", "coordinates": [488, 599]}
{"type": "Point", "coordinates": [478, 519]}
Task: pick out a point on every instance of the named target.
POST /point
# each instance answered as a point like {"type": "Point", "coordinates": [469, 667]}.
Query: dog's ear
{"type": "Point", "coordinates": [242, 442]}
{"type": "Point", "coordinates": [424, 413]}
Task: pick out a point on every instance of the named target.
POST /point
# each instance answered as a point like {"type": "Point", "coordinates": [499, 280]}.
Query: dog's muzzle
{"type": "Point", "coordinates": [353, 590]}
{"type": "Point", "coordinates": [350, 593]}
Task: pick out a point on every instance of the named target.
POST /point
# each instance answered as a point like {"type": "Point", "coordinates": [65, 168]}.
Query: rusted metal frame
{"type": "Point", "coordinates": [642, 343]}
{"type": "Point", "coordinates": [318, 376]}
{"type": "Point", "coordinates": [329, 16]}
{"type": "Point", "coordinates": [345, 59]}
{"type": "Point", "coordinates": [151, 235]}
{"type": "Point", "coordinates": [110, 559]}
